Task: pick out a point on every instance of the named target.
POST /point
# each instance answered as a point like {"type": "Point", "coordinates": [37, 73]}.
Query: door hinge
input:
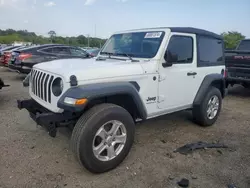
{"type": "Point", "coordinates": [161, 78]}
{"type": "Point", "coordinates": [161, 98]}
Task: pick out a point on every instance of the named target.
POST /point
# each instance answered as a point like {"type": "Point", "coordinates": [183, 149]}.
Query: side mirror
{"type": "Point", "coordinates": [169, 59]}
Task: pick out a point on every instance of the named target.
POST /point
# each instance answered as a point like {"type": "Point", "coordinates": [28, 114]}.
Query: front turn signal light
{"type": "Point", "coordinates": [80, 101]}
{"type": "Point", "coordinates": [73, 101]}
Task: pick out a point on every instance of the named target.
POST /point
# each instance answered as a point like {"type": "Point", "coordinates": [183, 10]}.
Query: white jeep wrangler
{"type": "Point", "coordinates": [138, 75]}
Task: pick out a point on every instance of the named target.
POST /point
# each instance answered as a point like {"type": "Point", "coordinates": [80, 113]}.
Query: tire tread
{"type": "Point", "coordinates": [198, 111]}
{"type": "Point", "coordinates": [80, 127]}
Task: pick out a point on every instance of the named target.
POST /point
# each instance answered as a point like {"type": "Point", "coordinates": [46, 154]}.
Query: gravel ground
{"type": "Point", "coordinates": [30, 158]}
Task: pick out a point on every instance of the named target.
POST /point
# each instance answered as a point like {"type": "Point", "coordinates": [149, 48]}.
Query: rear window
{"type": "Point", "coordinates": [244, 45]}
{"type": "Point", "coordinates": [47, 50]}
{"type": "Point", "coordinates": [211, 51]}
{"type": "Point", "coordinates": [9, 48]}
{"type": "Point", "coordinates": [28, 49]}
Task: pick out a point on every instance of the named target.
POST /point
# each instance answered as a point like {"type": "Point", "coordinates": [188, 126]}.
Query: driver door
{"type": "Point", "coordinates": [178, 83]}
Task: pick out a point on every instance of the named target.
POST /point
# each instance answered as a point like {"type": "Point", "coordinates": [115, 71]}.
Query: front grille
{"type": "Point", "coordinates": [41, 84]}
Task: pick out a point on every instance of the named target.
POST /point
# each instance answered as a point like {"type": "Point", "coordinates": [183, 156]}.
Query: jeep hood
{"type": "Point", "coordinates": [89, 69]}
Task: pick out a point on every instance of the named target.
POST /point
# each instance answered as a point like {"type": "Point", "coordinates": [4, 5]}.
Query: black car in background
{"type": "Point", "coordinates": [23, 60]}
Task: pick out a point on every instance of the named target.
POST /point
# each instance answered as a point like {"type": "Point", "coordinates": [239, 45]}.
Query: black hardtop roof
{"type": "Point", "coordinates": [195, 31]}
{"type": "Point", "coordinates": [190, 30]}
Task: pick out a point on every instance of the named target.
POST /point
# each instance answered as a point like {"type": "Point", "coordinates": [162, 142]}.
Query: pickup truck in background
{"type": "Point", "coordinates": [238, 64]}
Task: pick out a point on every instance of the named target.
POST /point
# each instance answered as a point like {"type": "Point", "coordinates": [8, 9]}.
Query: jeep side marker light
{"type": "Point", "coordinates": [73, 101]}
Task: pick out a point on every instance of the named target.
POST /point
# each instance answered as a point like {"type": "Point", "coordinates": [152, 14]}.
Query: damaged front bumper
{"type": "Point", "coordinates": [46, 118]}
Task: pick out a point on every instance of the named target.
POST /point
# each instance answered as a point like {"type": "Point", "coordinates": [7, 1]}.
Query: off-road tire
{"type": "Point", "coordinates": [86, 128]}
{"type": "Point", "coordinates": [200, 111]}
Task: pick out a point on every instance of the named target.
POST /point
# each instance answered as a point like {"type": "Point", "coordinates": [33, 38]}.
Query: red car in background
{"type": "Point", "coordinates": [6, 54]}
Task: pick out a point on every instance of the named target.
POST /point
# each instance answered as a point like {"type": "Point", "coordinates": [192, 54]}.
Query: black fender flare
{"type": "Point", "coordinates": [99, 90]}
{"type": "Point", "coordinates": [208, 81]}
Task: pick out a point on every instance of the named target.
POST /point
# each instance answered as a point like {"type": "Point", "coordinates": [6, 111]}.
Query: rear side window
{"type": "Point", "coordinates": [210, 51]}
{"type": "Point", "coordinates": [47, 50]}
{"type": "Point", "coordinates": [61, 51]}
{"type": "Point", "coordinates": [182, 47]}
{"type": "Point", "coordinates": [29, 50]}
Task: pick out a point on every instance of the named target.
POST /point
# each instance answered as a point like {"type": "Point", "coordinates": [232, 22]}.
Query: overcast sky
{"type": "Point", "coordinates": [75, 17]}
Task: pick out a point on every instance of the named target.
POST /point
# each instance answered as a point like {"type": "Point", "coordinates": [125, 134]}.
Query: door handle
{"type": "Point", "coordinates": [191, 73]}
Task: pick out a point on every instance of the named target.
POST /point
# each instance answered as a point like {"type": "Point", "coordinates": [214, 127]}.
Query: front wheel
{"type": "Point", "coordinates": [103, 137]}
{"type": "Point", "coordinates": [208, 111]}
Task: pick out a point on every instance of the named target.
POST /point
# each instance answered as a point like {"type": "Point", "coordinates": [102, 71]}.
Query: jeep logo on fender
{"type": "Point", "coordinates": [151, 99]}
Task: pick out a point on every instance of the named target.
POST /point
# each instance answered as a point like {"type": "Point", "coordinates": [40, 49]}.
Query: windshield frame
{"type": "Point", "coordinates": [126, 55]}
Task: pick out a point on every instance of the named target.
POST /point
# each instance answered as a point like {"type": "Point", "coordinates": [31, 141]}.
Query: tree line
{"type": "Point", "coordinates": [9, 36]}
{"type": "Point", "coordinates": [231, 38]}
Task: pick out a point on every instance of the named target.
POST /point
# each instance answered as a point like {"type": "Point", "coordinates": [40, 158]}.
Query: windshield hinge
{"type": "Point", "coordinates": [161, 78]}
{"type": "Point", "coordinates": [161, 98]}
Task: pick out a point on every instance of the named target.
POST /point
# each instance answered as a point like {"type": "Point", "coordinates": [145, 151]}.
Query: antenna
{"type": "Point", "coordinates": [95, 30]}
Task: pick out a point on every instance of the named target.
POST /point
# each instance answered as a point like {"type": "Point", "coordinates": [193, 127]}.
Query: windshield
{"type": "Point", "coordinates": [138, 44]}
{"type": "Point", "coordinates": [244, 45]}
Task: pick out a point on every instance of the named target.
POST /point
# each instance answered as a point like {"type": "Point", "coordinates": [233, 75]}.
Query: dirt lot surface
{"type": "Point", "coordinates": [30, 158]}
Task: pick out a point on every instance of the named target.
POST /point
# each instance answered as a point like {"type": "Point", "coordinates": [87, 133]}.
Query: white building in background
{"type": "Point", "coordinates": [21, 43]}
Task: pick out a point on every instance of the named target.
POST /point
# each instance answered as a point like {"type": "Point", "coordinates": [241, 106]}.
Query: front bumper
{"type": "Point", "coordinates": [238, 80]}
{"type": "Point", "coordinates": [20, 68]}
{"type": "Point", "coordinates": [46, 118]}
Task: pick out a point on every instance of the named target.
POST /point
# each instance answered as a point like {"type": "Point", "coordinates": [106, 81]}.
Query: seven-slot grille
{"type": "Point", "coordinates": [41, 84]}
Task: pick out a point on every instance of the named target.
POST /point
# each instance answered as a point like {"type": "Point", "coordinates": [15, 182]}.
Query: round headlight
{"type": "Point", "coordinates": [57, 87]}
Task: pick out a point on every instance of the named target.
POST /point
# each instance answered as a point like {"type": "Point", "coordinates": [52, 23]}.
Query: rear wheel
{"type": "Point", "coordinates": [208, 111]}
{"type": "Point", "coordinates": [103, 137]}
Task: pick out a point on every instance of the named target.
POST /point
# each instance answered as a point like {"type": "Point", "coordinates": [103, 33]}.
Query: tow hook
{"type": "Point", "coordinates": [52, 130]}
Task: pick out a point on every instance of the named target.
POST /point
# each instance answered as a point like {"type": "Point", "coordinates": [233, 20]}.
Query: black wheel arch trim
{"type": "Point", "coordinates": [99, 90]}
{"type": "Point", "coordinates": [206, 83]}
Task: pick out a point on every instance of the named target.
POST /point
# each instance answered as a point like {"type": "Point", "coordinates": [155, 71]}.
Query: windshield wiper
{"type": "Point", "coordinates": [119, 54]}
{"type": "Point", "coordinates": [109, 56]}
{"type": "Point", "coordinates": [106, 53]}
{"type": "Point", "coordinates": [127, 55]}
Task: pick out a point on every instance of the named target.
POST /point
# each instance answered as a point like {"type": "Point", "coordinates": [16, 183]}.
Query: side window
{"type": "Point", "coordinates": [77, 52]}
{"type": "Point", "coordinates": [182, 48]}
{"type": "Point", "coordinates": [61, 51]}
{"type": "Point", "coordinates": [210, 51]}
{"type": "Point", "coordinates": [47, 50]}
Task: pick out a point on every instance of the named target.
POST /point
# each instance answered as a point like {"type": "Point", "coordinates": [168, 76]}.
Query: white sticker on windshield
{"type": "Point", "coordinates": [153, 35]}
